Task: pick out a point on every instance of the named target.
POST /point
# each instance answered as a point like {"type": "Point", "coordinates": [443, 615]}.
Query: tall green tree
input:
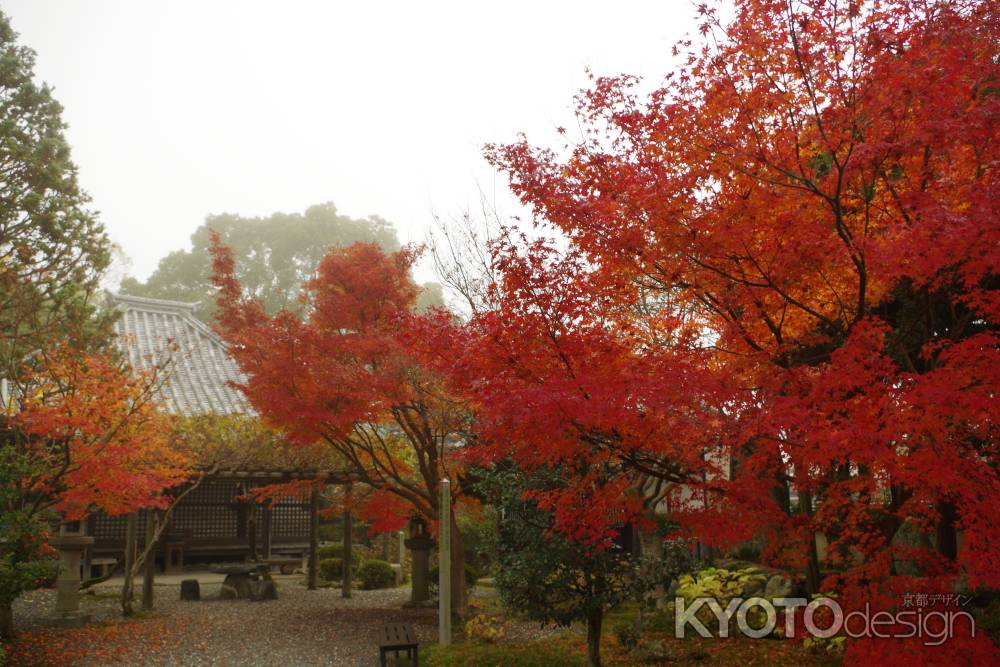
{"type": "Point", "coordinates": [277, 254]}
{"type": "Point", "coordinates": [53, 249]}
{"type": "Point", "coordinates": [53, 252]}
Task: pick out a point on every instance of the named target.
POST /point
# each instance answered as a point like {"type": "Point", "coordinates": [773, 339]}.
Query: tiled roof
{"type": "Point", "coordinates": [199, 369]}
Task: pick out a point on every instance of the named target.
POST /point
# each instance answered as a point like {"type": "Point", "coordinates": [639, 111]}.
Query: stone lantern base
{"type": "Point", "coordinates": [67, 612]}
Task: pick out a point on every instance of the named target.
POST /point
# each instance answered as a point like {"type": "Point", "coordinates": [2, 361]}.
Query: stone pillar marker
{"type": "Point", "coordinates": [420, 544]}
{"type": "Point", "coordinates": [444, 566]}
{"type": "Point", "coordinates": [70, 543]}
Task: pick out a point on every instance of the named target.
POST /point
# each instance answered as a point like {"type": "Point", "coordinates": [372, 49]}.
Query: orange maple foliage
{"type": "Point", "coordinates": [94, 437]}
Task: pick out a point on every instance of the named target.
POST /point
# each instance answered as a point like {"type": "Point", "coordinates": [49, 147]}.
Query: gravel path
{"type": "Point", "coordinates": [302, 627]}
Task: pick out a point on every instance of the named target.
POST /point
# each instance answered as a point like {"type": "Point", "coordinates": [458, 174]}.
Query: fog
{"type": "Point", "coordinates": [182, 109]}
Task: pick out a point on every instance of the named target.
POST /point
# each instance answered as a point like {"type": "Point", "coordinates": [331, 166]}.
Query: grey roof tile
{"type": "Point", "coordinates": [198, 371]}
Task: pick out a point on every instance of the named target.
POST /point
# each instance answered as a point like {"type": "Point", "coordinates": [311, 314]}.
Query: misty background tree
{"type": "Point", "coordinates": [277, 255]}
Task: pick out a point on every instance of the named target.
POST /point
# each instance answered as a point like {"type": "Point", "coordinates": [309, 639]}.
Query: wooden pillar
{"type": "Point", "coordinates": [268, 529]}
{"type": "Point", "coordinates": [149, 570]}
{"type": "Point", "coordinates": [313, 539]}
{"type": "Point", "coordinates": [345, 588]}
{"type": "Point", "coordinates": [252, 530]}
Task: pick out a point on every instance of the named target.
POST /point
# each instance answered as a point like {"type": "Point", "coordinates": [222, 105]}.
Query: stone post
{"type": "Point", "coordinates": [70, 543]}
{"type": "Point", "coordinates": [420, 544]}
{"type": "Point", "coordinates": [444, 566]}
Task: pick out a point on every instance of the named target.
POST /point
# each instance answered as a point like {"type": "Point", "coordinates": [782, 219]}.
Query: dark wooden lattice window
{"type": "Point", "coordinates": [209, 510]}
{"type": "Point", "coordinates": [112, 528]}
{"type": "Point", "coordinates": [290, 518]}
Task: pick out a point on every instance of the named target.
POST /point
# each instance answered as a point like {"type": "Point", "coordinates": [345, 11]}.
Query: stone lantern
{"type": "Point", "coordinates": [420, 544]}
{"type": "Point", "coordinates": [70, 543]}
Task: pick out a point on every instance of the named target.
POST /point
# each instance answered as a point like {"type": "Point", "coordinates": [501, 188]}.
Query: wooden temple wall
{"type": "Point", "coordinates": [215, 520]}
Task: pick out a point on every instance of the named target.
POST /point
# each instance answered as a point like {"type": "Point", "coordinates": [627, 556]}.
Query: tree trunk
{"type": "Point", "coordinates": [459, 595]}
{"type": "Point", "coordinates": [346, 563]}
{"type": "Point", "coordinates": [947, 534]}
{"type": "Point", "coordinates": [313, 539]}
{"type": "Point", "coordinates": [781, 495]}
{"type": "Point", "coordinates": [813, 575]}
{"type": "Point", "coordinates": [6, 619]}
{"type": "Point", "coordinates": [128, 586]}
{"type": "Point", "coordinates": [149, 566]}
{"type": "Point", "coordinates": [594, 621]}
{"type": "Point", "coordinates": [812, 560]}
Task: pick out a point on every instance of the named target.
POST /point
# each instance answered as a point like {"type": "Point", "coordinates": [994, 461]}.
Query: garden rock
{"type": "Point", "coordinates": [780, 586]}
{"type": "Point", "coordinates": [263, 589]}
{"type": "Point", "coordinates": [755, 588]}
{"type": "Point", "coordinates": [228, 592]}
{"type": "Point", "coordinates": [234, 587]}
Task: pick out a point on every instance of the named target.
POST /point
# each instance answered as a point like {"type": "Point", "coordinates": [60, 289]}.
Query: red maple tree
{"type": "Point", "coordinates": [780, 284]}
{"type": "Point", "coordinates": [344, 373]}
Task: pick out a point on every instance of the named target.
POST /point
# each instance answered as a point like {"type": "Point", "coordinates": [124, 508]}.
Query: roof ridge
{"type": "Point", "coordinates": [187, 306]}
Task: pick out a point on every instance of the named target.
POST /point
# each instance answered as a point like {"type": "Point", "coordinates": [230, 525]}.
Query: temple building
{"type": "Point", "coordinates": [216, 521]}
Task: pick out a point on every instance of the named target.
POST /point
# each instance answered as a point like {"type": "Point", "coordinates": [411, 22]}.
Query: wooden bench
{"type": "Point", "coordinates": [397, 639]}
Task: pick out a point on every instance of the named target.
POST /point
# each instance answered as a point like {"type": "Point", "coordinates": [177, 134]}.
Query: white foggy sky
{"type": "Point", "coordinates": [181, 109]}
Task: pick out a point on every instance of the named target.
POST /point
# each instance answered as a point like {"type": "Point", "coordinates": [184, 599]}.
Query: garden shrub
{"type": "Point", "coordinates": [337, 551]}
{"type": "Point", "coordinates": [482, 628]}
{"type": "Point", "coordinates": [329, 533]}
{"type": "Point", "coordinates": [376, 574]}
{"type": "Point", "coordinates": [723, 585]}
{"type": "Point", "coordinates": [331, 568]}
{"type": "Point", "coordinates": [627, 635]}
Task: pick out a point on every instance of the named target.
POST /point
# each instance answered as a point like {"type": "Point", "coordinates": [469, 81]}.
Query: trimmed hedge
{"type": "Point", "coordinates": [331, 568]}
{"type": "Point", "coordinates": [376, 574]}
{"type": "Point", "coordinates": [337, 551]}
